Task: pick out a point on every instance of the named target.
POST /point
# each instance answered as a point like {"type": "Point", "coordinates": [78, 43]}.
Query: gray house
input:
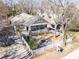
{"type": "Point", "coordinates": [31, 24]}
{"type": "Point", "coordinates": [35, 24]}
{"type": "Point", "coordinates": [28, 24]}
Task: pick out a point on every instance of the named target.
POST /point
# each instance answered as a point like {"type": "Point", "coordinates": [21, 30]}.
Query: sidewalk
{"type": "Point", "coordinates": [72, 55]}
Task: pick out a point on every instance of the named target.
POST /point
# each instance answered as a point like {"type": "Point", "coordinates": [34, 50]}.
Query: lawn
{"type": "Point", "coordinates": [75, 34]}
{"type": "Point", "coordinates": [33, 45]}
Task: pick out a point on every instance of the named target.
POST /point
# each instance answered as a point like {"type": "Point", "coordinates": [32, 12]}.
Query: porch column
{"type": "Point", "coordinates": [55, 32]}
{"type": "Point", "coordinates": [29, 29]}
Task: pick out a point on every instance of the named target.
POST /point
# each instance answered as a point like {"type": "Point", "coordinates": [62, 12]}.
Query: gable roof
{"type": "Point", "coordinates": [27, 19]}
{"type": "Point", "coordinates": [34, 19]}
{"type": "Point", "coordinates": [21, 18]}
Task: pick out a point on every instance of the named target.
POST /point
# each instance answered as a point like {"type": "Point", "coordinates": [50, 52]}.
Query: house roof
{"type": "Point", "coordinates": [25, 19]}
{"type": "Point", "coordinates": [21, 18]}
{"type": "Point", "coordinates": [34, 19]}
{"type": "Point", "coordinates": [29, 19]}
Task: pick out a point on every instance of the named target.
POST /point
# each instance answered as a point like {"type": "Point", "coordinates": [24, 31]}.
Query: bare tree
{"type": "Point", "coordinates": [64, 9]}
{"type": "Point", "coordinates": [11, 7]}
{"type": "Point", "coordinates": [3, 9]}
{"type": "Point", "coordinates": [26, 6]}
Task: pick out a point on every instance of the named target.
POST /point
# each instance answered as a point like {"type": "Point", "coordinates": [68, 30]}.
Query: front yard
{"type": "Point", "coordinates": [53, 54]}
{"type": "Point", "coordinates": [38, 41]}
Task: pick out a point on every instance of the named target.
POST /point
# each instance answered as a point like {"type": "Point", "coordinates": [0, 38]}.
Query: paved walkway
{"type": "Point", "coordinates": [72, 55]}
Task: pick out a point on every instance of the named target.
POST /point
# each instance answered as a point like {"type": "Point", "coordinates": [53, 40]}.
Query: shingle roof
{"type": "Point", "coordinates": [25, 19]}
{"type": "Point", "coordinates": [21, 18]}
{"type": "Point", "coordinates": [33, 19]}
{"type": "Point", "coordinates": [29, 19]}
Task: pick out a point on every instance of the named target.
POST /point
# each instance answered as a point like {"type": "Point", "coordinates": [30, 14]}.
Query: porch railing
{"type": "Point", "coordinates": [39, 31]}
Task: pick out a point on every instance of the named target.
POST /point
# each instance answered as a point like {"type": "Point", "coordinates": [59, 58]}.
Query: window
{"type": "Point", "coordinates": [53, 26]}
{"type": "Point", "coordinates": [38, 27]}
{"type": "Point", "coordinates": [33, 28]}
{"type": "Point", "coordinates": [58, 26]}
{"type": "Point", "coordinates": [27, 28]}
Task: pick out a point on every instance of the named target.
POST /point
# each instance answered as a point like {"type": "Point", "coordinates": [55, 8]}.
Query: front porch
{"type": "Point", "coordinates": [35, 29]}
{"type": "Point", "coordinates": [39, 31]}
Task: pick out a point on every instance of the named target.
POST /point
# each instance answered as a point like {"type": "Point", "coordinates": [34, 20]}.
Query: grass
{"type": "Point", "coordinates": [33, 45]}
{"type": "Point", "coordinates": [76, 38]}
{"type": "Point", "coordinates": [75, 34]}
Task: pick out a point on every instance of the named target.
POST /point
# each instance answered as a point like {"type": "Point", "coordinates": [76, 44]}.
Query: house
{"type": "Point", "coordinates": [36, 24]}
{"type": "Point", "coordinates": [32, 24]}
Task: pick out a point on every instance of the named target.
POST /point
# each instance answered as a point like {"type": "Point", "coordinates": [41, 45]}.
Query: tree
{"type": "Point", "coordinates": [64, 9]}
{"type": "Point", "coordinates": [11, 7]}
{"type": "Point", "coordinates": [3, 10]}
{"type": "Point", "coordinates": [26, 6]}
